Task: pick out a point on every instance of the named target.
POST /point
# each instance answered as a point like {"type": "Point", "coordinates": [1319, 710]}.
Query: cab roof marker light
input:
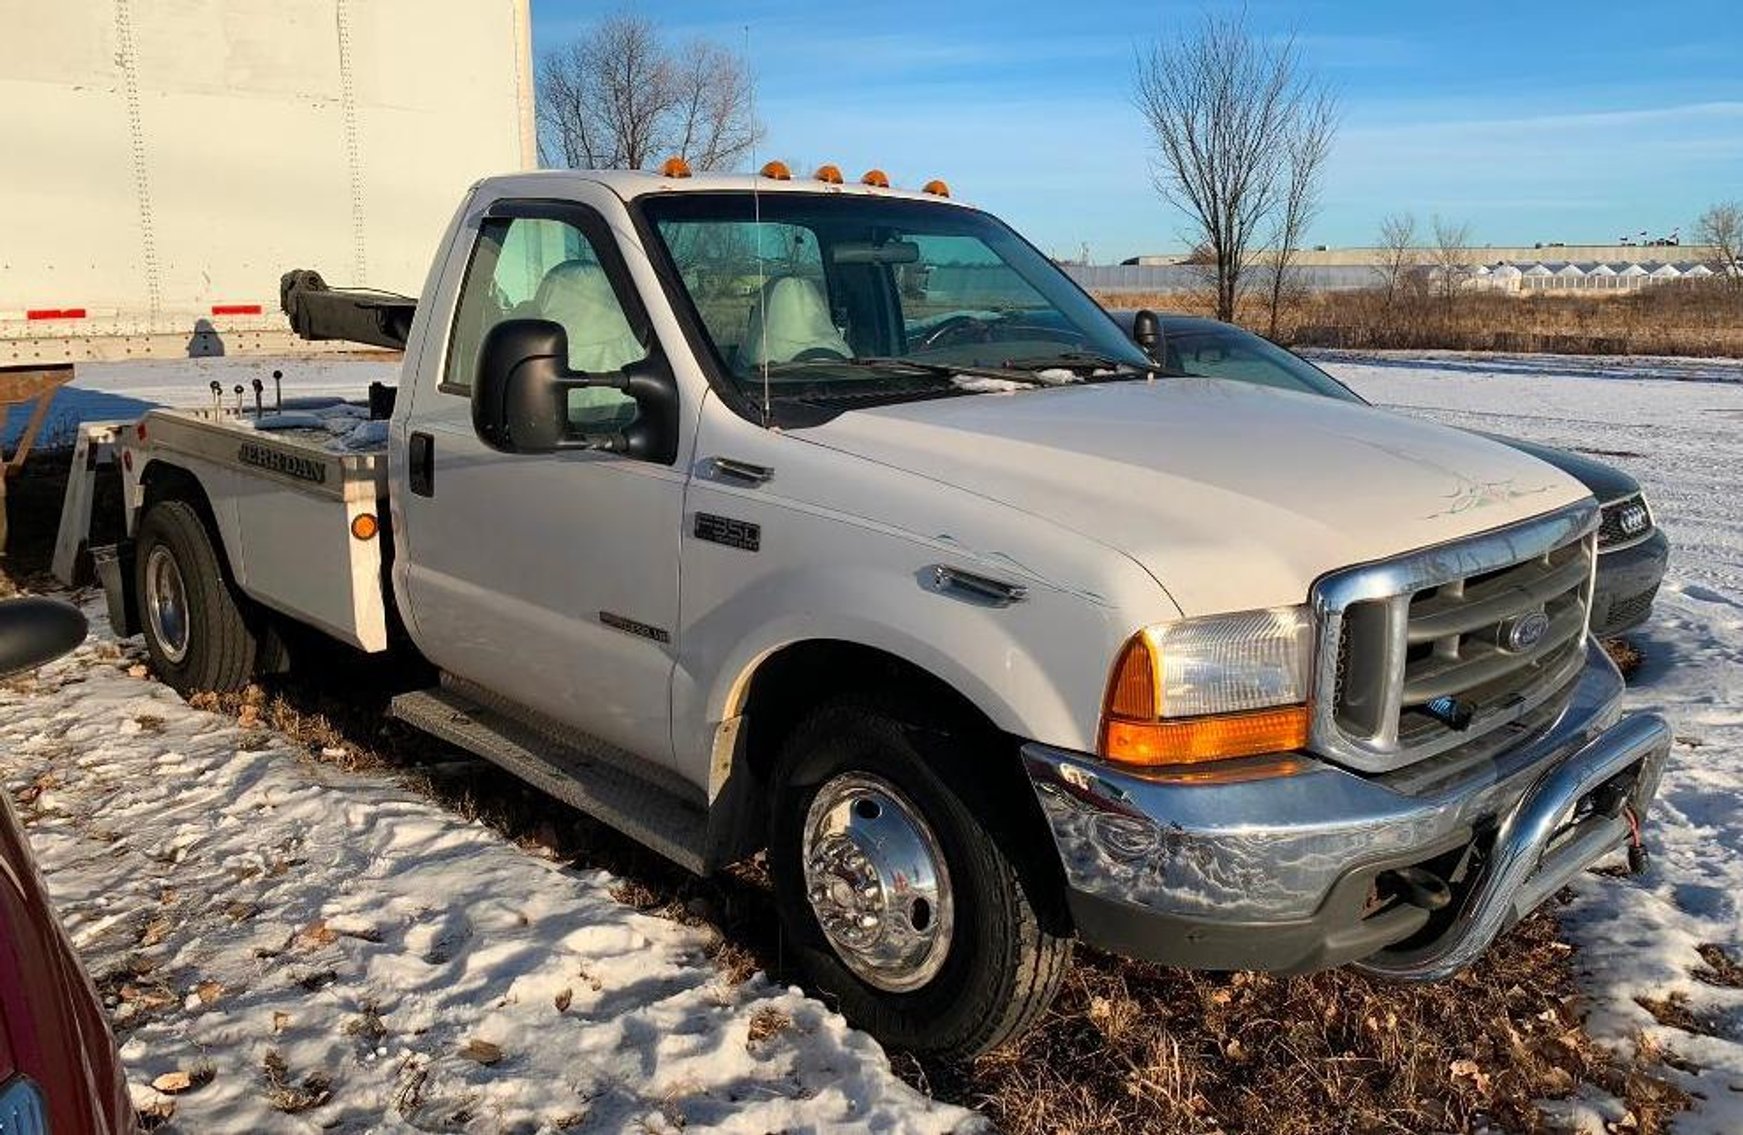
{"type": "Point", "coordinates": [876, 178]}
{"type": "Point", "coordinates": [675, 167]}
{"type": "Point", "coordinates": [936, 188]}
{"type": "Point", "coordinates": [829, 174]}
{"type": "Point", "coordinates": [776, 171]}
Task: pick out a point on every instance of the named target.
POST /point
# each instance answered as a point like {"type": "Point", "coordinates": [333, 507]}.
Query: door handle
{"type": "Point", "coordinates": [744, 472]}
{"type": "Point", "coordinates": [421, 464]}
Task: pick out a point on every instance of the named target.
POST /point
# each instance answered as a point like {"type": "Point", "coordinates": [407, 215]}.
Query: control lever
{"type": "Point", "coordinates": [278, 391]}
{"type": "Point", "coordinates": [238, 399]}
{"type": "Point", "coordinates": [217, 400]}
{"type": "Point", "coordinates": [258, 408]}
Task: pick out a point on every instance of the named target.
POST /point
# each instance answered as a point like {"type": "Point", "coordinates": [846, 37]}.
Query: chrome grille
{"type": "Point", "coordinates": [1625, 522]}
{"type": "Point", "coordinates": [1433, 649]}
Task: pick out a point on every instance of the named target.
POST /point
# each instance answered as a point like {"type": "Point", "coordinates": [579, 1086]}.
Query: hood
{"type": "Point", "coordinates": [1232, 496]}
{"type": "Point", "coordinates": [1606, 482]}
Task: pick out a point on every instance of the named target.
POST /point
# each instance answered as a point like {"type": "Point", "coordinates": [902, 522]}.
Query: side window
{"type": "Point", "coordinates": [1212, 358]}
{"type": "Point", "coordinates": [538, 268]}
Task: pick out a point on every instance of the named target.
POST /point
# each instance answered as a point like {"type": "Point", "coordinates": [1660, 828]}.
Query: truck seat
{"type": "Point", "coordinates": [577, 294]}
{"type": "Point", "coordinates": [790, 320]}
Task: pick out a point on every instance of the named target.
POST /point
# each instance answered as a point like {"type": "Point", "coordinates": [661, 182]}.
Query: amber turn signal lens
{"type": "Point", "coordinates": [830, 174]}
{"type": "Point", "coordinates": [675, 167]}
{"type": "Point", "coordinates": [936, 187]}
{"type": "Point", "coordinates": [1132, 691]}
{"type": "Point", "coordinates": [876, 178]}
{"type": "Point", "coordinates": [365, 526]}
{"type": "Point", "coordinates": [1193, 740]}
{"type": "Point", "coordinates": [777, 171]}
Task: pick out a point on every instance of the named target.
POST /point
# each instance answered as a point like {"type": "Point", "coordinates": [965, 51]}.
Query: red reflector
{"type": "Point", "coordinates": [235, 309]}
{"type": "Point", "coordinates": [55, 313]}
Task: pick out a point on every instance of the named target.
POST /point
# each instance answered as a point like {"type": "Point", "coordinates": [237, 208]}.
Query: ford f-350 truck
{"type": "Point", "coordinates": [817, 517]}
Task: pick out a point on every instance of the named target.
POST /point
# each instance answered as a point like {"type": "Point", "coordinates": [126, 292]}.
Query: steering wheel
{"type": "Point", "coordinates": [819, 355]}
{"type": "Point", "coordinates": [958, 329]}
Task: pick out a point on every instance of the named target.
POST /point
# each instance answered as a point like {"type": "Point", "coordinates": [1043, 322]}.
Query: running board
{"type": "Point", "coordinates": [645, 812]}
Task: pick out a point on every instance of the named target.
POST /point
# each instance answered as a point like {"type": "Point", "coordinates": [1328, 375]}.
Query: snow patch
{"type": "Point", "coordinates": [326, 940]}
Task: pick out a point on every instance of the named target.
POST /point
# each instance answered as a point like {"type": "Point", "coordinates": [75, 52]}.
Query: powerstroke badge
{"type": "Point", "coordinates": [309, 469]}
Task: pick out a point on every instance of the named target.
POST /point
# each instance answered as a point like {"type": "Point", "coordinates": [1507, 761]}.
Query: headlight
{"type": "Point", "coordinates": [1207, 689]}
{"type": "Point", "coordinates": [1624, 521]}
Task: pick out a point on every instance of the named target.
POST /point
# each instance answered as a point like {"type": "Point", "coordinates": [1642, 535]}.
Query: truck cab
{"type": "Point", "coordinates": [792, 515]}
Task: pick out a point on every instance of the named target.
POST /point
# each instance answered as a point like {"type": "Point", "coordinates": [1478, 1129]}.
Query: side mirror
{"type": "Point", "coordinates": [35, 630]}
{"type": "Point", "coordinates": [520, 396]}
{"type": "Point", "coordinates": [1147, 333]}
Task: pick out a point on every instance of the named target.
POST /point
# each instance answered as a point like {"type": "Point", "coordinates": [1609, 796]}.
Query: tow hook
{"type": "Point", "coordinates": [1639, 859]}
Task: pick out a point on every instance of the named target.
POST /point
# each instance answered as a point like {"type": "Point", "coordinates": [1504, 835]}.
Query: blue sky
{"type": "Point", "coordinates": [1535, 120]}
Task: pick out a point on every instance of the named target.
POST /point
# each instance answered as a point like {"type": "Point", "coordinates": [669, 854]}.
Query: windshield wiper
{"type": "Point", "coordinates": [1078, 360]}
{"type": "Point", "coordinates": [952, 371]}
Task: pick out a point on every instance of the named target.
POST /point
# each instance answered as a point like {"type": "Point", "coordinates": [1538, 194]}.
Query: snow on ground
{"type": "Point", "coordinates": [1681, 436]}
{"type": "Point", "coordinates": [310, 936]}
{"type": "Point", "coordinates": [122, 390]}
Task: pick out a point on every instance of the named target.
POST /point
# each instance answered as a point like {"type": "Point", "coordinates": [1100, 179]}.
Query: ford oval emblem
{"type": "Point", "coordinates": [1522, 632]}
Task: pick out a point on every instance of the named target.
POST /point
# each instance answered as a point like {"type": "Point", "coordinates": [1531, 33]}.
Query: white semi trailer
{"type": "Point", "coordinates": [164, 159]}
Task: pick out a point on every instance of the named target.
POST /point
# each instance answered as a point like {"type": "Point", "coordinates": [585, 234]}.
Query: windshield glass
{"type": "Point", "coordinates": [1214, 350]}
{"type": "Point", "coordinates": [845, 295]}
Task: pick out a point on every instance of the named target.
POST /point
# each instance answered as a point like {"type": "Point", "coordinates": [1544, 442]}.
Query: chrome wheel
{"type": "Point", "coordinates": [877, 882]}
{"type": "Point", "coordinates": [166, 603]}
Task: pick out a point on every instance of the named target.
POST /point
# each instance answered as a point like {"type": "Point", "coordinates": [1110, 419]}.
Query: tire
{"type": "Point", "coordinates": [210, 645]}
{"type": "Point", "coordinates": [1000, 969]}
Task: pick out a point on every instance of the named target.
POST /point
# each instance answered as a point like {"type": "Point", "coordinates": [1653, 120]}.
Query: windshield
{"type": "Point", "coordinates": [1218, 350]}
{"type": "Point", "coordinates": [852, 296]}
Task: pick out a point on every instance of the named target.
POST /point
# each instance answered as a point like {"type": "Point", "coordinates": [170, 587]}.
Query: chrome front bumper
{"type": "Point", "coordinates": [1279, 872]}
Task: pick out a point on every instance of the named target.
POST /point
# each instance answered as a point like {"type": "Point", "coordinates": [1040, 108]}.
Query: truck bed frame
{"type": "Point", "coordinates": [281, 502]}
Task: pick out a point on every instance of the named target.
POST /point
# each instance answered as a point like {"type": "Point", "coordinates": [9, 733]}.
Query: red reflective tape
{"type": "Point", "coordinates": [235, 309]}
{"type": "Point", "coordinates": [55, 313]}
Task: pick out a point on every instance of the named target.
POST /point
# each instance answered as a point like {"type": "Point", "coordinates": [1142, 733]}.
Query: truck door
{"type": "Point", "coordinates": [550, 579]}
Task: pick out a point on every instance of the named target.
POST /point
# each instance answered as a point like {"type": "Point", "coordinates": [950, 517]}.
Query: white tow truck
{"type": "Point", "coordinates": [817, 517]}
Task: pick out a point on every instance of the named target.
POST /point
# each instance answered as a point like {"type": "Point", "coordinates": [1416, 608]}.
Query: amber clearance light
{"type": "Point", "coordinates": [1136, 731]}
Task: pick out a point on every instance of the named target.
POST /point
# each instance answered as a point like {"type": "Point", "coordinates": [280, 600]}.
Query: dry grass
{"type": "Point", "coordinates": [1627, 656]}
{"type": "Point", "coordinates": [1142, 1048]}
{"type": "Point", "coordinates": [1693, 318]}
{"type": "Point", "coordinates": [1721, 969]}
{"type": "Point", "coordinates": [1128, 1046]}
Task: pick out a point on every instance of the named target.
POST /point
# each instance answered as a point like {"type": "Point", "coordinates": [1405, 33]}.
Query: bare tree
{"type": "Point", "coordinates": [1309, 144]}
{"type": "Point", "coordinates": [1222, 106]}
{"type": "Point", "coordinates": [1399, 260]}
{"type": "Point", "coordinates": [621, 97]}
{"type": "Point", "coordinates": [1721, 227]}
{"type": "Point", "coordinates": [1450, 258]}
